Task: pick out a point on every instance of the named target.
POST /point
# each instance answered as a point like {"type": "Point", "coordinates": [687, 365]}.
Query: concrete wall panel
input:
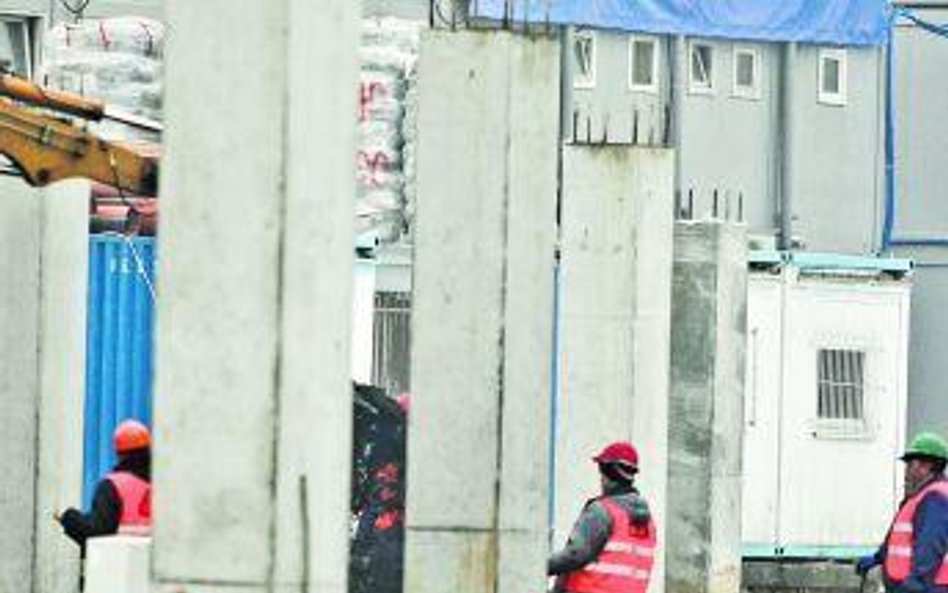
{"type": "Point", "coordinates": [315, 392]}
{"type": "Point", "coordinates": [257, 297]}
{"type": "Point", "coordinates": [65, 209]}
{"type": "Point", "coordinates": [20, 293]}
{"type": "Point", "coordinates": [482, 313]}
{"type": "Point", "coordinates": [615, 294]}
{"type": "Point", "coordinates": [706, 407]}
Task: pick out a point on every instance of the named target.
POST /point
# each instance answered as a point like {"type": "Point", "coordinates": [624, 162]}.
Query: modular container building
{"type": "Point", "coordinates": [825, 403]}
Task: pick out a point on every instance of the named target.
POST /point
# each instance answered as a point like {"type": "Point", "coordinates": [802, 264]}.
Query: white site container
{"type": "Point", "coordinates": [825, 401]}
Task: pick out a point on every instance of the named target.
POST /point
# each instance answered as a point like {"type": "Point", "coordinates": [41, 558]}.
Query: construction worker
{"type": "Point", "coordinates": [122, 499]}
{"type": "Point", "coordinates": [914, 556]}
{"type": "Point", "coordinates": [612, 546]}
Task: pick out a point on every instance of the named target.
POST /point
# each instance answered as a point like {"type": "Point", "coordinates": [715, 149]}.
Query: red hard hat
{"type": "Point", "coordinates": [130, 435]}
{"type": "Point", "coordinates": [618, 452]}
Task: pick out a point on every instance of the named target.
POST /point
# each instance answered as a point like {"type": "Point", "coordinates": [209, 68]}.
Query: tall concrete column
{"type": "Point", "coordinates": [64, 277]}
{"type": "Point", "coordinates": [615, 311]}
{"type": "Point", "coordinates": [482, 313]}
{"type": "Point", "coordinates": [20, 294]}
{"type": "Point", "coordinates": [709, 318]}
{"type": "Point", "coordinates": [45, 248]}
{"type": "Point", "coordinates": [253, 400]}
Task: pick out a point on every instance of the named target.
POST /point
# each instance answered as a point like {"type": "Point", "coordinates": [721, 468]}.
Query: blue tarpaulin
{"type": "Point", "coordinates": [836, 22]}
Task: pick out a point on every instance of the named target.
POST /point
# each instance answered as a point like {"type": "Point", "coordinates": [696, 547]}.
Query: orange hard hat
{"type": "Point", "coordinates": [130, 435]}
{"type": "Point", "coordinates": [621, 452]}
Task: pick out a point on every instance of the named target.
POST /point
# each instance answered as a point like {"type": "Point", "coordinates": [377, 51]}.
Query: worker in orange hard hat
{"type": "Point", "coordinates": [122, 499]}
{"type": "Point", "coordinates": [612, 546]}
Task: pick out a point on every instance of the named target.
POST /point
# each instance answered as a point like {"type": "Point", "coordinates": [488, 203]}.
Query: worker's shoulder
{"type": "Point", "coordinates": [937, 497]}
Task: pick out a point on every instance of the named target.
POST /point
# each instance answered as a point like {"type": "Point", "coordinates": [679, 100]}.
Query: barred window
{"type": "Point", "coordinates": [841, 384]}
{"type": "Point", "coordinates": [391, 362]}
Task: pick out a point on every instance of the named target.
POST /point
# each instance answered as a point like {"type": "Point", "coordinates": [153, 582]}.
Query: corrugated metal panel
{"type": "Point", "coordinates": [119, 345]}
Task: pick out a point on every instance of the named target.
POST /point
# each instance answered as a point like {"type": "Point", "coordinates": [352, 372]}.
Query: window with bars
{"type": "Point", "coordinates": [841, 385]}
{"type": "Point", "coordinates": [391, 359]}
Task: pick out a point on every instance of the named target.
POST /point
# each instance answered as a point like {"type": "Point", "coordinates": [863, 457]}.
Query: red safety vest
{"type": "Point", "coordinates": [135, 495]}
{"type": "Point", "coordinates": [899, 543]}
{"type": "Point", "coordinates": [625, 563]}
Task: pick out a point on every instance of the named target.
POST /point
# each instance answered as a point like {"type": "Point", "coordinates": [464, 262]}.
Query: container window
{"type": "Point", "coordinates": [16, 49]}
{"type": "Point", "coordinates": [702, 68]}
{"type": "Point", "coordinates": [832, 77]}
{"type": "Point", "coordinates": [841, 385]}
{"type": "Point", "coordinates": [747, 73]}
{"type": "Point", "coordinates": [584, 56]}
{"type": "Point", "coordinates": [643, 64]}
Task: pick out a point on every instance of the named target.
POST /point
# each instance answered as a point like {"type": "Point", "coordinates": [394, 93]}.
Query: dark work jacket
{"type": "Point", "coordinates": [103, 517]}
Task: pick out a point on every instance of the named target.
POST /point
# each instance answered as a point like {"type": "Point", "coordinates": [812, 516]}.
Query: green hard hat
{"type": "Point", "coordinates": [926, 444]}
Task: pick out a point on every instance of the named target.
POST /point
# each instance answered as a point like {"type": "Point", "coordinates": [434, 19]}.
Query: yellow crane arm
{"type": "Point", "coordinates": [48, 149]}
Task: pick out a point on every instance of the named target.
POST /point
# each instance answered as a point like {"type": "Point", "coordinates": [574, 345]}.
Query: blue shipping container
{"type": "Point", "coordinates": [118, 345]}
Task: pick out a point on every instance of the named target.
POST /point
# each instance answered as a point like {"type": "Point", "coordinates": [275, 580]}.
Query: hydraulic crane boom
{"type": "Point", "coordinates": [48, 149]}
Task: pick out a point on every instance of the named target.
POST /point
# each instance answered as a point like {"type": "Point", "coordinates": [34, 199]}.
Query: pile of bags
{"type": "Point", "coordinates": [116, 60]}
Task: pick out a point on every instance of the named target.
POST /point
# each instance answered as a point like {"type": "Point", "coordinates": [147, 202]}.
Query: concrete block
{"type": "Point", "coordinates": [706, 407]}
{"type": "Point", "coordinates": [614, 321]}
{"type": "Point", "coordinates": [482, 312]}
{"type": "Point", "coordinates": [118, 564]}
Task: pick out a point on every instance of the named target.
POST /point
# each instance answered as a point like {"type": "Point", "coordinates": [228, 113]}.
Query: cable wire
{"type": "Point", "coordinates": [76, 10]}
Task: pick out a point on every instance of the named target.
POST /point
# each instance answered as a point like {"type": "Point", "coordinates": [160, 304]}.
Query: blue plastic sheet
{"type": "Point", "coordinates": [835, 22]}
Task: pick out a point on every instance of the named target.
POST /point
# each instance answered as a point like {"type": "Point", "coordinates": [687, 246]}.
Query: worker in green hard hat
{"type": "Point", "coordinates": [914, 556]}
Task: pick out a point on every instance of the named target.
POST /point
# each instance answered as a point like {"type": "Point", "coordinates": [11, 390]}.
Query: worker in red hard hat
{"type": "Point", "coordinates": [612, 546]}
{"type": "Point", "coordinates": [122, 499]}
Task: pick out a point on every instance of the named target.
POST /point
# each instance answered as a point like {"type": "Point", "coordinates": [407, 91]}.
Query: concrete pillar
{"type": "Point", "coordinates": [253, 400]}
{"type": "Point", "coordinates": [482, 313]}
{"type": "Point", "coordinates": [65, 271]}
{"type": "Point", "coordinates": [615, 289]}
{"type": "Point", "coordinates": [709, 319]}
{"type": "Point", "coordinates": [44, 246]}
{"type": "Point", "coordinates": [20, 293]}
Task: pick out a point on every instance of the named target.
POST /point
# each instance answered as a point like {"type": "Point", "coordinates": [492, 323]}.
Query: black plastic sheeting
{"type": "Point", "coordinates": [376, 556]}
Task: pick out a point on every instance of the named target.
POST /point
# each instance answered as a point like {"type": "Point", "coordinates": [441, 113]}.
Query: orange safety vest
{"type": "Point", "coordinates": [625, 563]}
{"type": "Point", "coordinates": [900, 541]}
{"type": "Point", "coordinates": [135, 496]}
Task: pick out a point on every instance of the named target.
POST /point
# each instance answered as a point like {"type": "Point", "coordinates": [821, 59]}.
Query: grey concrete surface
{"type": "Point", "coordinates": [65, 245]}
{"type": "Point", "coordinates": [20, 293]}
{"type": "Point", "coordinates": [814, 576]}
{"type": "Point", "coordinates": [482, 323]}
{"type": "Point", "coordinates": [615, 315]}
{"type": "Point", "coordinates": [709, 309]}
{"type": "Point", "coordinates": [253, 401]}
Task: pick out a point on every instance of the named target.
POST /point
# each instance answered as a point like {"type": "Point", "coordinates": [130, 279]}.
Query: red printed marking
{"type": "Point", "coordinates": [370, 167]}
{"type": "Point", "coordinates": [367, 94]}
